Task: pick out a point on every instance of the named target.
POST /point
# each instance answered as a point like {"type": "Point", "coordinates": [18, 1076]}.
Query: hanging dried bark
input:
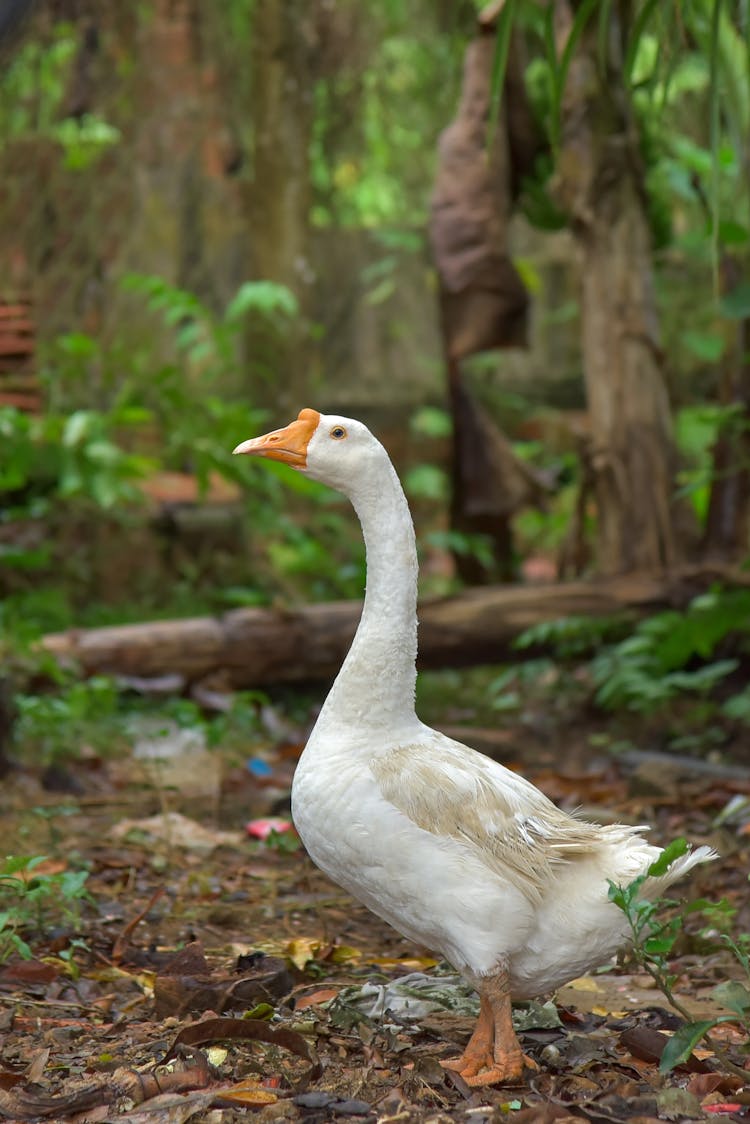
{"type": "Point", "coordinates": [483, 300]}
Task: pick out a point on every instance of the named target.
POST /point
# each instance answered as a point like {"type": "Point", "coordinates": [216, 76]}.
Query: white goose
{"type": "Point", "coordinates": [451, 848]}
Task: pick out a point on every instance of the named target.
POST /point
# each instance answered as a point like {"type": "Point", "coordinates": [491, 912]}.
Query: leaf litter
{"type": "Point", "coordinates": [214, 973]}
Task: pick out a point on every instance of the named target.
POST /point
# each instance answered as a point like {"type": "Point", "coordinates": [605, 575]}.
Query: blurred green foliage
{"type": "Point", "coordinates": [32, 900]}
{"type": "Point", "coordinates": [34, 86]}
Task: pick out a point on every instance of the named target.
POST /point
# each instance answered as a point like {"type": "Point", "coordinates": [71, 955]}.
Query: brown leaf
{"type": "Point", "coordinates": [27, 972]}
{"type": "Point", "coordinates": [250, 1030]}
{"type": "Point", "coordinates": [48, 866]}
{"type": "Point", "coordinates": [545, 1114]}
{"type": "Point", "coordinates": [187, 961]}
{"type": "Point", "coordinates": [37, 1066]}
{"type": "Point", "coordinates": [701, 1084]}
{"type": "Point", "coordinates": [322, 996]}
{"type": "Point", "coordinates": [483, 300]}
{"type": "Point", "coordinates": [249, 1092]}
{"type": "Point", "coordinates": [647, 1044]}
{"type": "Point", "coordinates": [178, 994]}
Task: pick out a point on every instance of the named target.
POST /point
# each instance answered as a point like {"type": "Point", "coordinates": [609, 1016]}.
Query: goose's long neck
{"type": "Point", "coordinates": [375, 687]}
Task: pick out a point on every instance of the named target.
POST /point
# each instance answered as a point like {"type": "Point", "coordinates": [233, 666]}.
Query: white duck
{"type": "Point", "coordinates": [451, 848]}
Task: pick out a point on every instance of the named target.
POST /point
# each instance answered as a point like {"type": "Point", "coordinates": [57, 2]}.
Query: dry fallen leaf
{"type": "Point", "coordinates": [249, 1092]}
{"type": "Point", "coordinates": [250, 1030]}
{"type": "Point", "coordinates": [324, 995]}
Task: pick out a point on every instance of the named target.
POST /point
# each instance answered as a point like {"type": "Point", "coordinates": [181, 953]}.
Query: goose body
{"type": "Point", "coordinates": [455, 851]}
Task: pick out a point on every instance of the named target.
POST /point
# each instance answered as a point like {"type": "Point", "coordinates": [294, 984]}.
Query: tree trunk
{"type": "Point", "coordinates": [284, 35]}
{"type": "Point", "coordinates": [260, 646]}
{"type": "Point", "coordinates": [600, 184]}
{"type": "Point", "coordinates": [728, 519]}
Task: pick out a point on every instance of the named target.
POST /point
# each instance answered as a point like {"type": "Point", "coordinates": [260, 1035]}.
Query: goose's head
{"type": "Point", "coordinates": [326, 447]}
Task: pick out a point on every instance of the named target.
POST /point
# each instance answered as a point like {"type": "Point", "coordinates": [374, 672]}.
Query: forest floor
{"type": "Point", "coordinates": [214, 976]}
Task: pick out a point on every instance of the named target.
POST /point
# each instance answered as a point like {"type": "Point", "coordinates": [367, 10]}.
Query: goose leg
{"type": "Point", "coordinates": [493, 1053]}
{"type": "Point", "coordinates": [478, 1051]}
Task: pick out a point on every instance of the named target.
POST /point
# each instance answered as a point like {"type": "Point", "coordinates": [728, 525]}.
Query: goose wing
{"type": "Point", "coordinates": [452, 791]}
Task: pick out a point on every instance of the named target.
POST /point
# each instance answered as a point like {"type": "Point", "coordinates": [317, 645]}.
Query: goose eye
{"type": "Point", "coordinates": [338, 433]}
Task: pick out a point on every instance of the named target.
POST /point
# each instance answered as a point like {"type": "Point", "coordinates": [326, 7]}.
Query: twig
{"type": "Point", "coordinates": [119, 946]}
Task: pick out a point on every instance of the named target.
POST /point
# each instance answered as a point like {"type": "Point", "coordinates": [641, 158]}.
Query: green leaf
{"type": "Point", "coordinates": [639, 26]}
{"type": "Point", "coordinates": [78, 426]}
{"type": "Point", "coordinates": [429, 421]}
{"type": "Point", "coordinates": [15, 863]}
{"type": "Point", "coordinates": [737, 706]}
{"type": "Point", "coordinates": [583, 15]}
{"type": "Point", "coordinates": [714, 134]}
{"type": "Point", "coordinates": [624, 897]}
{"type": "Point", "coordinates": [706, 345]}
{"type": "Point", "coordinates": [682, 1043]}
{"type": "Point", "coordinates": [733, 233]}
{"type": "Point", "coordinates": [505, 23]}
{"type": "Point", "coordinates": [659, 946]}
{"type": "Point", "coordinates": [426, 481]}
{"type": "Point", "coordinates": [382, 292]}
{"type": "Point", "coordinates": [265, 297]}
{"type": "Point", "coordinates": [733, 995]}
{"type": "Point", "coordinates": [619, 895]}
{"type": "Point", "coordinates": [735, 305]}
{"type": "Point", "coordinates": [77, 345]}
{"type": "Point", "coordinates": [671, 852]}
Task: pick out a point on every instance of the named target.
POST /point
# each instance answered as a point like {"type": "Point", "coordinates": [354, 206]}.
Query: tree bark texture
{"type": "Point", "coordinates": [285, 36]}
{"type": "Point", "coordinates": [253, 647]}
{"type": "Point", "coordinates": [600, 184]}
{"type": "Point", "coordinates": [728, 518]}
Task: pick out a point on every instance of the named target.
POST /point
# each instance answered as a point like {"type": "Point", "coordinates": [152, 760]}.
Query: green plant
{"type": "Point", "coordinates": [34, 88]}
{"type": "Point", "coordinates": [650, 667]}
{"type": "Point", "coordinates": [60, 457]}
{"type": "Point", "coordinates": [697, 429]}
{"type": "Point", "coordinates": [197, 402]}
{"type": "Point", "coordinates": [654, 929]}
{"type": "Point", "coordinates": [49, 815]}
{"type": "Point", "coordinates": [283, 842]}
{"type": "Point", "coordinates": [572, 636]}
{"type": "Point", "coordinates": [515, 684]}
{"type": "Point", "coordinates": [54, 726]}
{"type": "Point", "coordinates": [31, 900]}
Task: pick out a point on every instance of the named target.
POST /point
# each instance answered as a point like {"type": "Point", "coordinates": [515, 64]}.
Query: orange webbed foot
{"type": "Point", "coordinates": [493, 1055]}
{"type": "Point", "coordinates": [506, 1069]}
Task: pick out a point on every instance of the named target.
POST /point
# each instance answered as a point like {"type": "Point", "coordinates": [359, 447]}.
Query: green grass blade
{"type": "Point", "coordinates": [639, 27]}
{"type": "Point", "coordinates": [602, 35]}
{"type": "Point", "coordinates": [714, 134]}
{"type": "Point", "coordinates": [505, 23]}
{"type": "Point", "coordinates": [583, 15]}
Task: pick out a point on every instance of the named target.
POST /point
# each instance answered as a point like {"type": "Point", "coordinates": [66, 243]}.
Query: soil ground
{"type": "Point", "coordinates": [199, 940]}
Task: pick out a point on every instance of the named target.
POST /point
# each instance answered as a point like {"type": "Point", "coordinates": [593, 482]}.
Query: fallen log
{"type": "Point", "coordinates": [254, 647]}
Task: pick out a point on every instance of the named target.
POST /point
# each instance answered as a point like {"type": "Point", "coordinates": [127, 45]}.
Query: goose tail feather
{"type": "Point", "coordinates": [654, 887]}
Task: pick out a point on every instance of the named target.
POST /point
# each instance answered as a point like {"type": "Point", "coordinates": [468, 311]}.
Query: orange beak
{"type": "Point", "coordinates": [288, 445]}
